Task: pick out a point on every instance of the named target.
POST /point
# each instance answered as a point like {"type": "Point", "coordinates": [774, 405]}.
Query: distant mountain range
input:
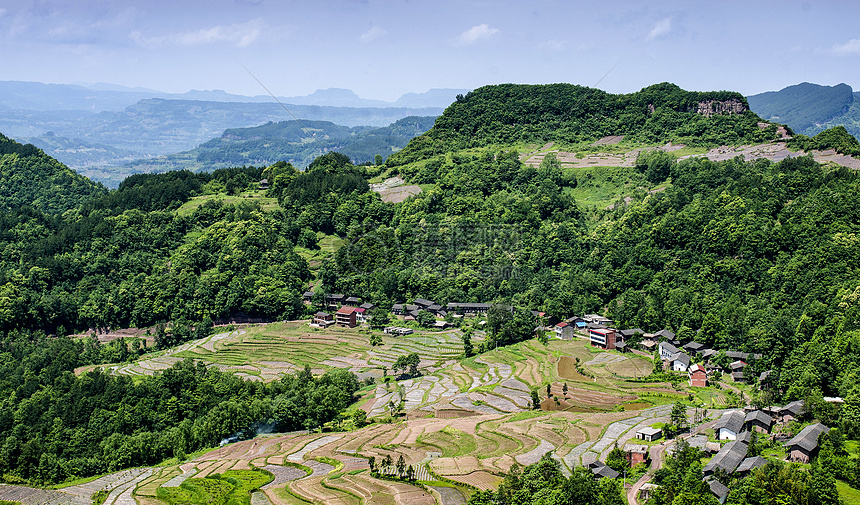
{"type": "Point", "coordinates": [296, 142]}
{"type": "Point", "coordinates": [810, 108]}
{"type": "Point", "coordinates": [94, 128]}
{"type": "Point", "coordinates": [98, 97]}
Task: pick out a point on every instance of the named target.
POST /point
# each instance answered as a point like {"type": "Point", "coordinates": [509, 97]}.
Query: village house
{"type": "Point", "coordinates": [729, 425]}
{"type": "Point", "coordinates": [563, 330]}
{"type": "Point", "coordinates": [307, 296]}
{"type": "Point", "coordinates": [346, 317]}
{"type": "Point", "coordinates": [468, 308]}
{"type": "Point", "coordinates": [698, 376]}
{"type": "Point", "coordinates": [728, 459]}
{"type": "Point", "coordinates": [601, 471]}
{"type": "Point", "coordinates": [758, 420]}
{"type": "Point", "coordinates": [323, 319]}
{"type": "Point", "coordinates": [603, 337]}
{"type": "Point", "coordinates": [749, 464]}
{"type": "Point", "coordinates": [693, 347]}
{"type": "Point", "coordinates": [790, 412]}
{"type": "Point", "coordinates": [804, 445]}
{"type": "Point", "coordinates": [667, 350]}
{"type": "Point", "coordinates": [664, 335]}
{"type": "Point", "coordinates": [718, 489]}
{"type": "Point", "coordinates": [679, 362]}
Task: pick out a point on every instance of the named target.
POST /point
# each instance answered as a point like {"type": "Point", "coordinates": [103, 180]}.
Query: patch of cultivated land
{"type": "Point", "coordinates": [467, 420]}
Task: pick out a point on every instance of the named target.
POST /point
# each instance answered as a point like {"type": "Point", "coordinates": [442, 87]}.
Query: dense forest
{"type": "Point", "coordinates": [54, 424]}
{"type": "Point", "coordinates": [30, 177]}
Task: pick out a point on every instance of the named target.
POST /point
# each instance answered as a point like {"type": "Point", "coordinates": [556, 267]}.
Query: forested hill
{"type": "Point", "coordinates": [30, 177]}
{"type": "Point", "coordinates": [517, 113]}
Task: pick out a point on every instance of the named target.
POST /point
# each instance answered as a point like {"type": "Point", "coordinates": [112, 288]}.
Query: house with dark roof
{"type": "Point", "coordinates": [764, 378]}
{"type": "Point", "coordinates": [750, 464]}
{"type": "Point", "coordinates": [758, 420]}
{"type": "Point", "coordinates": [693, 347]}
{"type": "Point", "coordinates": [352, 300]}
{"type": "Point", "coordinates": [667, 350]}
{"type": "Point", "coordinates": [679, 362]}
{"type": "Point", "coordinates": [307, 295]}
{"type": "Point", "coordinates": [323, 319]}
{"type": "Point", "coordinates": [423, 302]}
{"type": "Point", "coordinates": [804, 445]}
{"type": "Point", "coordinates": [397, 309]}
{"type": "Point", "coordinates": [729, 425]}
{"type": "Point", "coordinates": [631, 332]}
{"type": "Point", "coordinates": [601, 471]}
{"type": "Point", "coordinates": [729, 458]}
{"type": "Point", "coordinates": [792, 411]}
{"type": "Point", "coordinates": [367, 306]}
{"type": "Point", "coordinates": [718, 489]}
{"type": "Point", "coordinates": [468, 308]}
{"type": "Point", "coordinates": [665, 334]}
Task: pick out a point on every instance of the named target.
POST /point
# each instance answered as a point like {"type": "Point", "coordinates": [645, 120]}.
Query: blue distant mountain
{"type": "Point", "coordinates": [810, 108]}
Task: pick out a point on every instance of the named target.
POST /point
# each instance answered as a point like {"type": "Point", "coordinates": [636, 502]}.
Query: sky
{"type": "Point", "coordinates": [383, 49]}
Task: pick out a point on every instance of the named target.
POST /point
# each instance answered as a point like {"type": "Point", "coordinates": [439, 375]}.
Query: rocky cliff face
{"type": "Point", "coordinates": [710, 108]}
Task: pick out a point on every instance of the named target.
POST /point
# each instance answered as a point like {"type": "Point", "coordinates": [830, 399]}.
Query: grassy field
{"type": "Point", "coordinates": [847, 493]}
{"type": "Point", "coordinates": [267, 204]}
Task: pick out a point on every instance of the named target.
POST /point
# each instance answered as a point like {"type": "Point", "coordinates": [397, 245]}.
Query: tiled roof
{"type": "Point", "coordinates": [729, 457]}
{"type": "Point", "coordinates": [807, 439]}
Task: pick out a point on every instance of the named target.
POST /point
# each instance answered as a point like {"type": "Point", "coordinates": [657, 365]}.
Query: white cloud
{"type": "Point", "coordinates": [662, 27]}
{"type": "Point", "coordinates": [476, 33]}
{"type": "Point", "coordinates": [373, 33]}
{"type": "Point", "coordinates": [241, 35]}
{"type": "Point", "coordinates": [852, 47]}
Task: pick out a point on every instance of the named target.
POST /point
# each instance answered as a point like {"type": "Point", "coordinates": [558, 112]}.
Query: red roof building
{"type": "Point", "coordinates": [346, 317]}
{"type": "Point", "coordinates": [698, 376]}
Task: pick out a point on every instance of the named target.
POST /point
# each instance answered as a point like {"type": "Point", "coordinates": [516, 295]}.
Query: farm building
{"type": "Point", "coordinates": [601, 471]}
{"type": "Point", "coordinates": [718, 489]}
{"type": "Point", "coordinates": [399, 332]}
{"type": "Point", "coordinates": [804, 445]}
{"type": "Point", "coordinates": [649, 434]}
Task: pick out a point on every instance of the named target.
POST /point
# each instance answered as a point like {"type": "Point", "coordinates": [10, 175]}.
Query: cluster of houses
{"type": "Point", "coordinates": [349, 311]}
{"type": "Point", "coordinates": [737, 428]}
{"type": "Point", "coordinates": [411, 310]}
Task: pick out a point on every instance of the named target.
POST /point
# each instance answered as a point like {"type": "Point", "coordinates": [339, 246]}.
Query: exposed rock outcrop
{"type": "Point", "coordinates": [710, 108]}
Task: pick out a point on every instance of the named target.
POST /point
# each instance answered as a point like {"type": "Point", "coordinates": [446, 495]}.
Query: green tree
{"type": "Point", "coordinates": [401, 466]}
{"type": "Point", "coordinates": [468, 350]}
{"type": "Point", "coordinates": [616, 459]}
{"type": "Point", "coordinates": [535, 400]}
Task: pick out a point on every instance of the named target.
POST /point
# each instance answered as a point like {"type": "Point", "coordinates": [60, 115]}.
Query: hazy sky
{"type": "Point", "coordinates": [382, 49]}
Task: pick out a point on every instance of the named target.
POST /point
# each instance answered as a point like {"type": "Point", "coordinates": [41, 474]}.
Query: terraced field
{"type": "Point", "coordinates": [468, 421]}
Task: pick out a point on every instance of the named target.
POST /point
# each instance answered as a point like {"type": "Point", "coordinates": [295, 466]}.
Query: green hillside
{"type": "Point", "coordinates": [518, 113]}
{"type": "Point", "coordinates": [30, 177]}
{"type": "Point", "coordinates": [810, 108]}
